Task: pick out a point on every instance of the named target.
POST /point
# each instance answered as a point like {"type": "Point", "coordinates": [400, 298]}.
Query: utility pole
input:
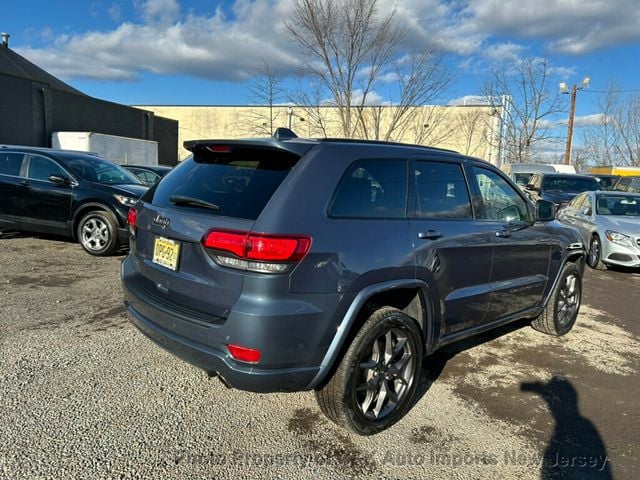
{"type": "Point", "coordinates": [574, 91]}
{"type": "Point", "coordinates": [567, 152]}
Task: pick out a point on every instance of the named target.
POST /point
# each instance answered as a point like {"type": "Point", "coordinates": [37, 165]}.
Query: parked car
{"type": "Point", "coordinates": [148, 174]}
{"type": "Point", "coordinates": [74, 194]}
{"type": "Point", "coordinates": [521, 173]}
{"type": "Point", "coordinates": [559, 188]}
{"type": "Point", "coordinates": [291, 264]}
{"type": "Point", "coordinates": [606, 181]}
{"type": "Point", "coordinates": [628, 184]}
{"type": "Point", "coordinates": [610, 225]}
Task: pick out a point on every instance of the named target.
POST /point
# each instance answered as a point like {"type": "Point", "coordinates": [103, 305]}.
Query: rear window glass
{"type": "Point", "coordinates": [570, 184]}
{"type": "Point", "coordinates": [372, 189]}
{"type": "Point", "coordinates": [239, 183]}
{"type": "Point", "coordinates": [10, 163]}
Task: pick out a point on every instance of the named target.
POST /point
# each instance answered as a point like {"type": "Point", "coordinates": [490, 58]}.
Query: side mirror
{"type": "Point", "coordinates": [586, 211]}
{"type": "Point", "coordinates": [531, 186]}
{"type": "Point", "coordinates": [545, 211]}
{"type": "Point", "coordinates": [58, 180]}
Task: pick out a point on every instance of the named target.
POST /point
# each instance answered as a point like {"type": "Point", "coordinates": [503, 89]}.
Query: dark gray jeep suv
{"type": "Point", "coordinates": [290, 264]}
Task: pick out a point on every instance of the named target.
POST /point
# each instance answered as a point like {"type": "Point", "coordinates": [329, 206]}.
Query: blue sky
{"type": "Point", "coordinates": [197, 52]}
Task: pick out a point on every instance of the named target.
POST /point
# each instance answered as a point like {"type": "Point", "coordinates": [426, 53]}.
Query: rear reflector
{"type": "Point", "coordinates": [132, 218]}
{"type": "Point", "coordinates": [244, 354]}
{"type": "Point", "coordinates": [256, 251]}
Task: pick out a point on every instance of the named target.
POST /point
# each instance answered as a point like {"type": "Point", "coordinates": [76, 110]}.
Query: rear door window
{"type": "Point", "coordinates": [11, 163]}
{"type": "Point", "coordinates": [372, 189]}
{"type": "Point", "coordinates": [441, 191]}
{"type": "Point", "coordinates": [234, 182]}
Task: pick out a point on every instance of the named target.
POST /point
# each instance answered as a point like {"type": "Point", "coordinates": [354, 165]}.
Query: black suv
{"type": "Point", "coordinates": [335, 265]}
{"type": "Point", "coordinates": [559, 188]}
{"type": "Point", "coordinates": [67, 193]}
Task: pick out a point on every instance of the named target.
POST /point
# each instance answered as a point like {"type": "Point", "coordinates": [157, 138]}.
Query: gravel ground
{"type": "Point", "coordinates": [84, 395]}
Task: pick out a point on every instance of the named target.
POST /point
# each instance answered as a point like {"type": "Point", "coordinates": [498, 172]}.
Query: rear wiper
{"type": "Point", "coordinates": [180, 200]}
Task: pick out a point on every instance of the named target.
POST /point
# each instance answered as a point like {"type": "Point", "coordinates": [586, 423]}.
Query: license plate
{"type": "Point", "coordinates": [166, 252]}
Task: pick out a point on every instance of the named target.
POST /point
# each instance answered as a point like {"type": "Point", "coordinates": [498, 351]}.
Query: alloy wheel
{"type": "Point", "coordinates": [594, 252]}
{"type": "Point", "coordinates": [94, 234]}
{"type": "Point", "coordinates": [568, 300]}
{"type": "Point", "coordinates": [385, 374]}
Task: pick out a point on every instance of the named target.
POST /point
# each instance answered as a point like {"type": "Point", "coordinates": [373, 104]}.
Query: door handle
{"type": "Point", "coordinates": [429, 235]}
{"type": "Point", "coordinates": [24, 183]}
{"type": "Point", "coordinates": [504, 233]}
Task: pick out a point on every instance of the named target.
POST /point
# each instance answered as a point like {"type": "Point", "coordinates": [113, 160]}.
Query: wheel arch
{"type": "Point", "coordinates": [411, 296]}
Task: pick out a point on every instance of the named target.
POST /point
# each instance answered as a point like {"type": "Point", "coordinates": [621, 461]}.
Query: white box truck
{"type": "Point", "coordinates": [122, 150]}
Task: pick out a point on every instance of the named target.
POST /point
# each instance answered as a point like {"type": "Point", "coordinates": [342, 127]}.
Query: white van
{"type": "Point", "coordinates": [521, 172]}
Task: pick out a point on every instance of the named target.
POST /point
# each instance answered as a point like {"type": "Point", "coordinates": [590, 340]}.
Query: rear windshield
{"type": "Point", "coordinates": [236, 184]}
{"type": "Point", "coordinates": [570, 183]}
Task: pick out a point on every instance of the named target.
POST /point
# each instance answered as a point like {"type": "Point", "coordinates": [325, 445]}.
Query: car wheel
{"type": "Point", "coordinates": [594, 257]}
{"type": "Point", "coordinates": [376, 380]}
{"type": "Point", "coordinates": [97, 233]}
{"type": "Point", "coordinates": [561, 311]}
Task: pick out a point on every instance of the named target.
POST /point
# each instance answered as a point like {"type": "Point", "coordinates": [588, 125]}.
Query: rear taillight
{"type": "Point", "coordinates": [132, 218]}
{"type": "Point", "coordinates": [244, 354]}
{"type": "Point", "coordinates": [256, 252]}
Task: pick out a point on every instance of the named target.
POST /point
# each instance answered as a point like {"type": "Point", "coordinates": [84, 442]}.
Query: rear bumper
{"type": "Point", "coordinates": [292, 334]}
{"type": "Point", "coordinates": [214, 361]}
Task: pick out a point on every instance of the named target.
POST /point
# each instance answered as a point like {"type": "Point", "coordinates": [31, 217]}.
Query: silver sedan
{"type": "Point", "coordinates": [610, 226]}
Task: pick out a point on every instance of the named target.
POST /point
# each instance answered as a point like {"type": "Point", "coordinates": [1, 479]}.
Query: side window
{"type": "Point", "coordinates": [41, 167]}
{"type": "Point", "coordinates": [499, 199]}
{"type": "Point", "coordinates": [11, 163]}
{"type": "Point", "coordinates": [576, 203]}
{"type": "Point", "coordinates": [372, 189]}
{"type": "Point", "coordinates": [441, 191]}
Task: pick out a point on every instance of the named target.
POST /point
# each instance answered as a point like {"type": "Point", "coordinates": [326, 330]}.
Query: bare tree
{"type": "Point", "coordinates": [615, 139]}
{"type": "Point", "coordinates": [532, 99]}
{"type": "Point", "coordinates": [265, 92]}
{"type": "Point", "coordinates": [471, 123]}
{"type": "Point", "coordinates": [351, 51]}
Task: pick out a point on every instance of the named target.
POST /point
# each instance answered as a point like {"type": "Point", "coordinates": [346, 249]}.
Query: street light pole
{"type": "Point", "coordinates": [567, 152]}
{"type": "Point", "coordinates": [572, 111]}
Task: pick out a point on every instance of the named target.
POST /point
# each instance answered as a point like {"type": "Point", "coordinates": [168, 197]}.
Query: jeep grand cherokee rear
{"type": "Point", "coordinates": [291, 264]}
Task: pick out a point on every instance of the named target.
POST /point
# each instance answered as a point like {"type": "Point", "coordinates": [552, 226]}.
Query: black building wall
{"type": "Point", "coordinates": [30, 111]}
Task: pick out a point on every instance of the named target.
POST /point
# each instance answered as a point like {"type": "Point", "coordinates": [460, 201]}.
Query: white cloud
{"type": "Point", "coordinates": [210, 47]}
{"type": "Point", "coordinates": [160, 11]}
{"type": "Point", "coordinates": [469, 100]}
{"type": "Point", "coordinates": [168, 39]}
{"type": "Point", "coordinates": [504, 52]}
{"type": "Point", "coordinates": [579, 121]}
{"type": "Point", "coordinates": [570, 26]}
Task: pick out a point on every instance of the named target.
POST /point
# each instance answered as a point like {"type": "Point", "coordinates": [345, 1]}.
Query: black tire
{"type": "Point", "coordinates": [97, 233]}
{"type": "Point", "coordinates": [561, 312]}
{"type": "Point", "coordinates": [364, 365]}
{"type": "Point", "coordinates": [594, 256]}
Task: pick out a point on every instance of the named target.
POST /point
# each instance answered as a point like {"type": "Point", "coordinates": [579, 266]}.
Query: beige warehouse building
{"type": "Point", "coordinates": [471, 130]}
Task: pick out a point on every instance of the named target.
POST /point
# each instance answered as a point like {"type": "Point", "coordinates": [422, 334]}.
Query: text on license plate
{"type": "Point", "coordinates": [166, 252]}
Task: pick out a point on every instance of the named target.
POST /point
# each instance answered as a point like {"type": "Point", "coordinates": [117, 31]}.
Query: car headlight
{"type": "Point", "coordinates": [126, 201]}
{"type": "Point", "coordinates": [619, 238]}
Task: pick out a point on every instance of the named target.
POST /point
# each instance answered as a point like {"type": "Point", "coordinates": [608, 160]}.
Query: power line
{"type": "Point", "coordinates": [611, 91]}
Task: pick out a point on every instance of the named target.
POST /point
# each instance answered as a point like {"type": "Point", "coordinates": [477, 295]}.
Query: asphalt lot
{"type": "Point", "coordinates": [84, 395]}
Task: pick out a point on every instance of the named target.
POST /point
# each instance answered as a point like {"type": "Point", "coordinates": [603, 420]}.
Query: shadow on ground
{"type": "Point", "coordinates": [575, 450]}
